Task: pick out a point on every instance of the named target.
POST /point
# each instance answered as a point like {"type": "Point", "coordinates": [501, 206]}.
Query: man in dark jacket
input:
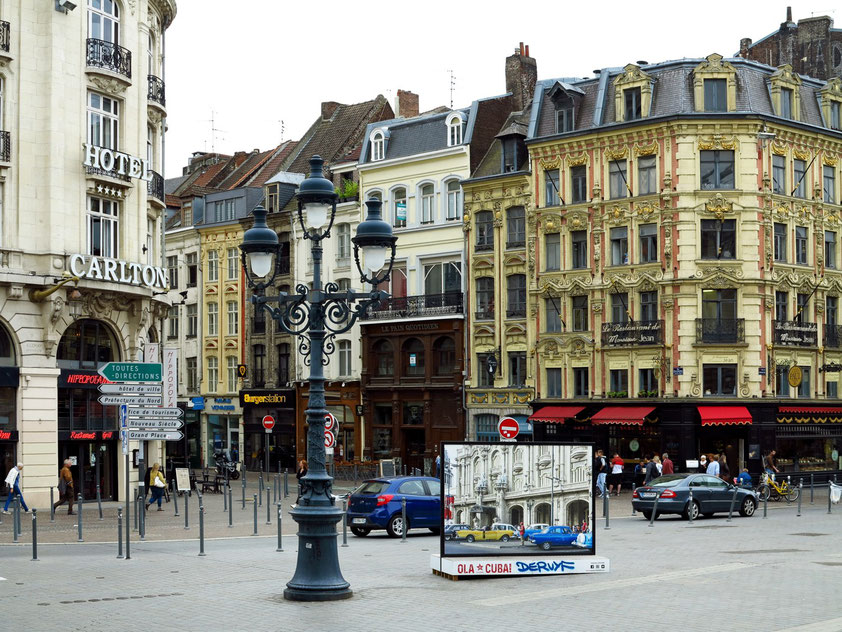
{"type": "Point", "coordinates": [651, 472]}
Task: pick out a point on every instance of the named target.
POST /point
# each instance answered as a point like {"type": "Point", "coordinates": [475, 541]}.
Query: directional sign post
{"type": "Point", "coordinates": [141, 412]}
{"type": "Point", "coordinates": [156, 424]}
{"type": "Point", "coordinates": [131, 371]}
{"type": "Point", "coordinates": [131, 389]}
{"type": "Point", "coordinates": [137, 400]}
{"type": "Point", "coordinates": [155, 435]}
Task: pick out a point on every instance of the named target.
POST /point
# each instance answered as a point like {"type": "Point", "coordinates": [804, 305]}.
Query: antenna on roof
{"type": "Point", "coordinates": [281, 121]}
{"type": "Point", "coordinates": [452, 87]}
{"type": "Point", "coordinates": [214, 130]}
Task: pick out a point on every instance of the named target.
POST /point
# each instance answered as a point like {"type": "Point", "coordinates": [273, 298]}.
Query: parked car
{"type": "Point", "coordinates": [499, 531]}
{"type": "Point", "coordinates": [553, 536]}
{"type": "Point", "coordinates": [533, 529]}
{"type": "Point", "coordinates": [451, 529]}
{"type": "Point", "coordinates": [376, 504]}
{"type": "Point", "coordinates": [710, 495]}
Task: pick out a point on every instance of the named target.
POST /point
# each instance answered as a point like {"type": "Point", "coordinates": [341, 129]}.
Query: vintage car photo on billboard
{"type": "Point", "coordinates": [516, 499]}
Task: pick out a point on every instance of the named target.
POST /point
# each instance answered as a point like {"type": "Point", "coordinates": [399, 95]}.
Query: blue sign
{"type": "Point", "coordinates": [678, 370]}
{"type": "Point", "coordinates": [124, 416]}
{"type": "Point", "coordinates": [198, 403]}
{"type": "Point", "coordinates": [761, 370]}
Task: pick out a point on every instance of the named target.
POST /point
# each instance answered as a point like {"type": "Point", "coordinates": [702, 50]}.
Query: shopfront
{"type": "Point", "coordinates": [342, 400]}
{"type": "Point", "coordinates": [279, 443]}
{"type": "Point", "coordinates": [9, 380]}
{"type": "Point", "coordinates": [808, 439]}
{"type": "Point", "coordinates": [187, 452]}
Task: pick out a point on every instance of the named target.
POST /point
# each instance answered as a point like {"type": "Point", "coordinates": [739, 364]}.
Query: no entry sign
{"type": "Point", "coordinates": [268, 422]}
{"type": "Point", "coordinates": [330, 439]}
{"type": "Point", "coordinates": [330, 422]}
{"type": "Point", "coordinates": [508, 428]}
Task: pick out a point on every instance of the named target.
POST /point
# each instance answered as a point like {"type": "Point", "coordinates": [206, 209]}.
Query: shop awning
{"type": "Point", "coordinates": [810, 410]}
{"type": "Point", "coordinates": [724, 415]}
{"type": "Point", "coordinates": [622, 415]}
{"type": "Point", "coordinates": [556, 414]}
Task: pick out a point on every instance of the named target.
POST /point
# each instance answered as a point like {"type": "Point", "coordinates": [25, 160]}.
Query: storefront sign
{"type": "Point", "coordinates": [74, 379]}
{"type": "Point", "coordinates": [830, 367]}
{"type": "Point", "coordinates": [102, 269]}
{"type": "Point", "coordinates": [793, 332]}
{"type": "Point", "coordinates": [196, 403]}
{"type": "Point", "coordinates": [8, 435]}
{"type": "Point", "coordinates": [222, 403]}
{"type": "Point", "coordinates": [633, 333]}
{"type": "Point", "coordinates": [170, 377]}
{"type": "Point", "coordinates": [409, 327]}
{"type": "Point", "coordinates": [88, 435]}
{"type": "Point", "coordinates": [795, 376]}
{"type": "Point", "coordinates": [120, 163]}
{"type": "Point", "coordinates": [276, 399]}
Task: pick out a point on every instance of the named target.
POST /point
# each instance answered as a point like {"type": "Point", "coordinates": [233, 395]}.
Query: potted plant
{"type": "Point", "coordinates": [349, 191]}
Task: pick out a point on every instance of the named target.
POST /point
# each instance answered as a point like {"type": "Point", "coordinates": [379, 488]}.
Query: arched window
{"type": "Point", "coordinates": [384, 358]}
{"type": "Point", "coordinates": [454, 200]}
{"type": "Point", "coordinates": [7, 349]}
{"type": "Point", "coordinates": [427, 204]}
{"type": "Point", "coordinates": [378, 146]}
{"type": "Point", "coordinates": [454, 129]}
{"type": "Point", "coordinates": [399, 207]}
{"type": "Point", "coordinates": [413, 358]}
{"type": "Point", "coordinates": [87, 344]}
{"type": "Point", "coordinates": [444, 352]}
{"type": "Point", "coordinates": [375, 195]}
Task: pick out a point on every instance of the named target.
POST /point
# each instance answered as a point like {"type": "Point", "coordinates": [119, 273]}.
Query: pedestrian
{"type": "Point", "coordinates": [724, 470]}
{"type": "Point", "coordinates": [520, 529]}
{"type": "Point", "coordinates": [300, 472]}
{"type": "Point", "coordinates": [13, 481]}
{"type": "Point", "coordinates": [769, 464]}
{"type": "Point", "coordinates": [157, 484]}
{"type": "Point", "coordinates": [744, 479]}
{"type": "Point", "coordinates": [66, 492]}
{"type": "Point", "coordinates": [667, 465]}
{"type": "Point", "coordinates": [652, 471]}
{"type": "Point", "coordinates": [658, 464]}
{"type": "Point", "coordinates": [640, 472]}
{"type": "Point", "coordinates": [438, 465]}
{"type": "Point", "coordinates": [713, 465]}
{"type": "Point", "coordinates": [615, 479]}
{"type": "Point", "coordinates": [601, 467]}
{"type": "Point", "coordinates": [703, 464]}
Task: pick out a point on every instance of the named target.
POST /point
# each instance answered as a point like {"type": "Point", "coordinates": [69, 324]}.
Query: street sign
{"type": "Point", "coordinates": [124, 416]}
{"type": "Point", "coordinates": [330, 422]}
{"type": "Point", "coordinates": [137, 400]}
{"type": "Point", "coordinates": [156, 424]}
{"type": "Point", "coordinates": [330, 440]}
{"type": "Point", "coordinates": [130, 389]}
{"type": "Point", "coordinates": [124, 440]}
{"type": "Point", "coordinates": [268, 422]}
{"type": "Point", "coordinates": [508, 428]}
{"type": "Point", "coordinates": [141, 412]}
{"type": "Point", "coordinates": [154, 435]}
{"type": "Point", "coordinates": [131, 371]}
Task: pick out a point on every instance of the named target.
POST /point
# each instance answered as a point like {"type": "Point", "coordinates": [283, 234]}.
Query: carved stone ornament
{"type": "Point", "coordinates": [785, 74]}
{"type": "Point", "coordinates": [577, 221]}
{"type": "Point", "coordinates": [719, 206]}
{"type": "Point", "coordinates": [778, 149]}
{"type": "Point", "coordinates": [577, 160]}
{"type": "Point", "coordinates": [646, 150]}
{"type": "Point", "coordinates": [803, 214]}
{"type": "Point", "coordinates": [645, 210]}
{"type": "Point", "coordinates": [616, 154]}
{"type": "Point", "coordinates": [801, 154]}
{"type": "Point", "coordinates": [667, 302]}
{"type": "Point", "coordinates": [714, 63]}
{"type": "Point", "coordinates": [631, 74]}
{"type": "Point", "coordinates": [717, 141]}
{"type": "Point", "coordinates": [617, 214]}
{"type": "Point", "coordinates": [550, 163]}
{"type": "Point", "coordinates": [831, 218]}
{"type": "Point", "coordinates": [781, 212]}
{"type": "Point", "coordinates": [829, 160]}
{"type": "Point", "coordinates": [109, 86]}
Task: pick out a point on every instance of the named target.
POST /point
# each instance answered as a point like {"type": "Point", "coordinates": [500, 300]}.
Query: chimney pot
{"type": "Point", "coordinates": [789, 14]}
{"type": "Point", "coordinates": [406, 104]}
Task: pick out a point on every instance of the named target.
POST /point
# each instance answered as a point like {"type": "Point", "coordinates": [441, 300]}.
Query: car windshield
{"type": "Point", "coordinates": [669, 480]}
{"type": "Point", "coordinates": [371, 487]}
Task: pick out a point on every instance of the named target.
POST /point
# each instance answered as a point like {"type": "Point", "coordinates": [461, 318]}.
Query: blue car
{"type": "Point", "coordinates": [553, 536]}
{"type": "Point", "coordinates": [533, 529]}
{"type": "Point", "coordinates": [376, 504]}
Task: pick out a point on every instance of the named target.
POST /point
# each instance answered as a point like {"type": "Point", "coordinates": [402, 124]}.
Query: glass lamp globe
{"type": "Point", "coordinates": [316, 214]}
{"type": "Point", "coordinates": [375, 257]}
{"type": "Point", "coordinates": [261, 263]}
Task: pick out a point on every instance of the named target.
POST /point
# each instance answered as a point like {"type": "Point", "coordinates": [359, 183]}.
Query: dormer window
{"type": "Point", "coordinates": [831, 103]}
{"type": "Point", "coordinates": [785, 89]}
{"type": "Point", "coordinates": [716, 95]}
{"type": "Point", "coordinates": [786, 103]}
{"type": "Point", "coordinates": [631, 96]}
{"type": "Point", "coordinates": [564, 120]}
{"type": "Point", "coordinates": [378, 146]}
{"type": "Point", "coordinates": [834, 115]}
{"type": "Point", "coordinates": [565, 97]}
{"type": "Point", "coordinates": [510, 155]}
{"type": "Point", "coordinates": [715, 85]}
{"type": "Point", "coordinates": [454, 129]}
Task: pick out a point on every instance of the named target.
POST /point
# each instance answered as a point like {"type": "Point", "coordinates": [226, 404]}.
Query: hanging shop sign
{"type": "Point", "coordinates": [117, 162]}
{"type": "Point", "coordinates": [102, 269]}
{"type": "Point", "coordinates": [795, 376]}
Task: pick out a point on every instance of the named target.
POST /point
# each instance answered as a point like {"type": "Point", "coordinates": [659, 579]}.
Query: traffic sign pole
{"type": "Point", "coordinates": [508, 428]}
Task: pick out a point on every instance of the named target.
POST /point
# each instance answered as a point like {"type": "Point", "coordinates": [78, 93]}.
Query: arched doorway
{"type": "Point", "coordinates": [541, 514]}
{"type": "Point", "coordinates": [577, 512]}
{"type": "Point", "coordinates": [9, 380]}
{"type": "Point", "coordinates": [516, 515]}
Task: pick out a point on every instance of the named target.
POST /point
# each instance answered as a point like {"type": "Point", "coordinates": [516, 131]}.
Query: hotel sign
{"type": "Point", "coordinates": [111, 160]}
{"type": "Point", "coordinates": [639, 332]}
{"type": "Point", "coordinates": [102, 269]}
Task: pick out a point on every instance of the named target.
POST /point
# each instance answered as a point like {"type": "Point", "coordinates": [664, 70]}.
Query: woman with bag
{"type": "Point", "coordinates": [66, 493]}
{"type": "Point", "coordinates": [157, 483]}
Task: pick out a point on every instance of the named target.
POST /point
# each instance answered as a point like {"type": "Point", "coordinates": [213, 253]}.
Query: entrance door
{"type": "Point", "coordinates": [412, 452]}
{"type": "Point", "coordinates": [92, 462]}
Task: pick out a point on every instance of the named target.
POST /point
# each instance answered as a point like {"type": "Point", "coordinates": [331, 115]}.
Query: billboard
{"type": "Point", "coordinates": [517, 499]}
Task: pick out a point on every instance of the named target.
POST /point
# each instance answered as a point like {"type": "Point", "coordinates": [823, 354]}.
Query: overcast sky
{"type": "Point", "coordinates": [259, 69]}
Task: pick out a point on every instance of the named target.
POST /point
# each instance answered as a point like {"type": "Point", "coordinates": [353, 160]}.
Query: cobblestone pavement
{"type": "Point", "coordinates": [779, 573]}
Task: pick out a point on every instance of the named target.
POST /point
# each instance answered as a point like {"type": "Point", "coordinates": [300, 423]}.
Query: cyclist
{"type": "Point", "coordinates": [769, 464]}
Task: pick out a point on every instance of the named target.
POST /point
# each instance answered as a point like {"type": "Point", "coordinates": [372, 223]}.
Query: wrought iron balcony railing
{"type": "Point", "coordinates": [833, 336]}
{"type": "Point", "coordinates": [484, 314]}
{"type": "Point", "coordinates": [415, 306]}
{"type": "Point", "coordinates": [156, 90]}
{"type": "Point", "coordinates": [795, 333]}
{"type": "Point", "coordinates": [5, 146]}
{"type": "Point", "coordinates": [720, 330]}
{"type": "Point", "coordinates": [638, 332]}
{"type": "Point", "coordinates": [110, 56]}
{"type": "Point", "coordinates": [483, 246]}
{"type": "Point", "coordinates": [516, 312]}
{"type": "Point", "coordinates": [5, 36]}
{"type": "Point", "coordinates": [155, 186]}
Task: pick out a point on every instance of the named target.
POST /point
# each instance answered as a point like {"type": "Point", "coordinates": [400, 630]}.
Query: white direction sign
{"type": "Point", "coordinates": [157, 424]}
{"type": "Point", "coordinates": [124, 440]}
{"type": "Point", "coordinates": [128, 389]}
{"type": "Point", "coordinates": [137, 400]}
{"type": "Point", "coordinates": [140, 412]}
{"type": "Point", "coordinates": [155, 435]}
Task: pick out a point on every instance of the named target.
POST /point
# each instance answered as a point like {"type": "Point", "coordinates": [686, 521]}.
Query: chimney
{"type": "Point", "coordinates": [328, 108]}
{"type": "Point", "coordinates": [521, 76]}
{"type": "Point", "coordinates": [406, 104]}
{"type": "Point", "coordinates": [745, 44]}
{"type": "Point", "coordinates": [789, 14]}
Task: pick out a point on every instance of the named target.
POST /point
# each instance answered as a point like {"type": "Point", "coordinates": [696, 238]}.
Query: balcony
{"type": "Point", "coordinates": [484, 246]}
{"type": "Point", "coordinates": [793, 333]}
{"type": "Point", "coordinates": [720, 330]}
{"type": "Point", "coordinates": [155, 186]}
{"type": "Point", "coordinates": [518, 311]}
{"type": "Point", "coordinates": [484, 314]}
{"type": "Point", "coordinates": [416, 306]}
{"type": "Point", "coordinates": [833, 336]}
{"type": "Point", "coordinates": [638, 332]}
{"type": "Point", "coordinates": [5, 36]}
{"type": "Point", "coordinates": [5, 146]}
{"type": "Point", "coordinates": [109, 56]}
{"type": "Point", "coordinates": [156, 91]}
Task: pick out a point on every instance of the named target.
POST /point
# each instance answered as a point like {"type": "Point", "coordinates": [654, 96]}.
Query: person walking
{"type": "Point", "coordinates": [601, 467]}
{"type": "Point", "coordinates": [652, 471]}
{"type": "Point", "coordinates": [713, 466]}
{"type": "Point", "coordinates": [13, 481]}
{"type": "Point", "coordinates": [66, 492]}
{"type": "Point", "coordinates": [157, 484]}
{"type": "Point", "coordinates": [703, 464]}
{"type": "Point", "coordinates": [667, 466]}
{"type": "Point", "coordinates": [658, 464]}
{"type": "Point", "coordinates": [724, 470]}
{"type": "Point", "coordinates": [616, 476]}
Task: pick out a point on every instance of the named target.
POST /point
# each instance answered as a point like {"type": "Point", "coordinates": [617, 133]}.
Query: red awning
{"type": "Point", "coordinates": [724, 415]}
{"type": "Point", "coordinates": [622, 415]}
{"type": "Point", "coordinates": [556, 414]}
{"type": "Point", "coordinates": [810, 410]}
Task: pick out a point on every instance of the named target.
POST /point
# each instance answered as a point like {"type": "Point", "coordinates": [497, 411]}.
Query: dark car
{"type": "Point", "coordinates": [376, 504]}
{"type": "Point", "coordinates": [451, 529]}
{"type": "Point", "coordinates": [710, 495]}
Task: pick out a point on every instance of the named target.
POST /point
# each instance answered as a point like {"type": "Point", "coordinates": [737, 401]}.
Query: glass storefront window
{"type": "Point", "coordinates": [382, 443]}
{"type": "Point", "coordinates": [809, 454]}
{"type": "Point", "coordinates": [78, 409]}
{"type": "Point", "coordinates": [8, 408]}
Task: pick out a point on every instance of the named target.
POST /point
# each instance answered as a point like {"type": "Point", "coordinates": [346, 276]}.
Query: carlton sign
{"type": "Point", "coordinates": [111, 160]}
{"type": "Point", "coordinates": [102, 269]}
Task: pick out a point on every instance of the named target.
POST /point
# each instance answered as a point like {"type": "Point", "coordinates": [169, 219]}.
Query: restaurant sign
{"type": "Point", "coordinates": [640, 332]}
{"type": "Point", "coordinates": [792, 332]}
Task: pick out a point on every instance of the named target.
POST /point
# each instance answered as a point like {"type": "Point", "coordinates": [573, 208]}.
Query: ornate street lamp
{"type": "Point", "coordinates": [316, 315]}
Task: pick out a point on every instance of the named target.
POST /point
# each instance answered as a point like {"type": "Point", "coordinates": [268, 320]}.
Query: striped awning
{"type": "Point", "coordinates": [556, 414]}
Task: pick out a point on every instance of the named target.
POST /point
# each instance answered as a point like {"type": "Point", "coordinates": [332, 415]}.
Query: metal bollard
{"type": "Point", "coordinates": [34, 535]}
{"type": "Point", "coordinates": [690, 504]}
{"type": "Point", "coordinates": [286, 483]}
{"type": "Point", "coordinates": [80, 518]}
{"type": "Point", "coordinates": [141, 519]}
{"type": "Point", "coordinates": [225, 489]}
{"type": "Point", "coordinates": [260, 489]}
{"type": "Point", "coordinates": [16, 514]}
{"type": "Point", "coordinates": [175, 498]}
{"type": "Point", "coordinates": [811, 489]}
{"type": "Point", "coordinates": [119, 533]}
{"type": "Point", "coordinates": [654, 510]}
{"type": "Point", "coordinates": [345, 522]}
{"type": "Point", "coordinates": [280, 548]}
{"type": "Point", "coordinates": [99, 501]}
{"type": "Point", "coordinates": [604, 503]}
{"type": "Point", "coordinates": [607, 511]}
{"type": "Point", "coordinates": [244, 491]}
{"type": "Point", "coordinates": [634, 487]}
{"type": "Point", "coordinates": [828, 496]}
{"type": "Point", "coordinates": [274, 488]}
{"type": "Point", "coordinates": [255, 515]}
{"type": "Point", "coordinates": [268, 508]}
{"type": "Point", "coordinates": [201, 530]}
{"type": "Point", "coordinates": [800, 493]}
{"type": "Point", "coordinates": [135, 510]}
{"type": "Point", "coordinates": [765, 503]}
{"type": "Point", "coordinates": [403, 518]}
{"type": "Point", "coordinates": [230, 508]}
{"type": "Point", "coordinates": [733, 500]}
{"type": "Point", "coordinates": [187, 511]}
{"type": "Point", "coordinates": [52, 508]}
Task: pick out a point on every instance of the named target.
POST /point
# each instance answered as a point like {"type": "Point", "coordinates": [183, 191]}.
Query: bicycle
{"type": "Point", "coordinates": [770, 488]}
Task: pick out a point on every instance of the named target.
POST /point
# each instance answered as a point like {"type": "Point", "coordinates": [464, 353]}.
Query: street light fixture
{"type": "Point", "coordinates": [316, 315]}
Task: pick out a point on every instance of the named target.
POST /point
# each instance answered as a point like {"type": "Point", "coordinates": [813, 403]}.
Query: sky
{"type": "Point", "coordinates": [248, 74]}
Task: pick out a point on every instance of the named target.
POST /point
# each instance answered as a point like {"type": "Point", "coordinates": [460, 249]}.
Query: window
{"type": "Point", "coordinates": [631, 97]}
{"type": "Point", "coordinates": [581, 383]}
{"type": "Point", "coordinates": [719, 239]}
{"type": "Point", "coordinates": [213, 266]}
{"type": "Point", "coordinates": [515, 227]}
{"type": "Point", "coordinates": [564, 120]}
{"type": "Point", "coordinates": [804, 387]}
{"type": "Point", "coordinates": [716, 95]}
{"type": "Point", "coordinates": [719, 315]}
{"type": "Point", "coordinates": [647, 182]}
{"type": "Point", "coordinates": [485, 377]}
{"type": "Point", "coordinates": [648, 243]}
{"type": "Point", "coordinates": [233, 318]}
{"type": "Point", "coordinates": [619, 307]}
{"type": "Point", "coordinates": [283, 364]}
{"type": "Point", "coordinates": [779, 175]}
{"type": "Point", "coordinates": [517, 368]}
{"type": "Point", "coordinates": [229, 210]}
{"type": "Point", "coordinates": [717, 169]}
{"type": "Point", "coordinates": [444, 353]}
{"type": "Point", "coordinates": [172, 272]}
{"type": "Point", "coordinates": [648, 306]}
{"type": "Point", "coordinates": [801, 245]}
{"type": "Point", "coordinates": [454, 200]}
{"type": "Point", "coordinates": [619, 381]}
{"type": "Point", "coordinates": [786, 103]}
{"type": "Point", "coordinates": [377, 146]}
{"type": "Point", "coordinates": [233, 375]}
{"type": "Point", "coordinates": [217, 211]}
{"type": "Point", "coordinates": [192, 375]}
{"type": "Point", "coordinates": [719, 379]}
{"type": "Point", "coordinates": [258, 372]}
{"type": "Point", "coordinates": [485, 298]}
{"type": "Point", "coordinates": [553, 315]}
{"type": "Point", "coordinates": [413, 358]}
{"type": "Point", "coordinates": [258, 322]}
{"type": "Point", "coordinates": [829, 249]}
{"type": "Point", "coordinates": [832, 390]}
{"type": "Point", "coordinates": [103, 121]}
{"type": "Point", "coordinates": [151, 257]}
{"type": "Point", "coordinates": [834, 115]}
{"type": "Point", "coordinates": [343, 244]}
{"type": "Point", "coordinates": [443, 278]}
{"type": "Point", "coordinates": [551, 181]}
{"type": "Point", "coordinates": [172, 319]}
{"type": "Point", "coordinates": [579, 184]}
{"type": "Point", "coordinates": [213, 373]}
{"type": "Point", "coordinates": [781, 306]}
{"type": "Point", "coordinates": [647, 381]}
{"type": "Point", "coordinates": [427, 204]}
{"type": "Point", "coordinates": [829, 184]}
{"type": "Point", "coordinates": [801, 307]}
{"type": "Point", "coordinates": [617, 181]}
{"type": "Point", "coordinates": [780, 242]}
{"type": "Point", "coordinates": [553, 382]}
{"type": "Point", "coordinates": [799, 174]}
{"type": "Point", "coordinates": [619, 246]}
{"type": "Point", "coordinates": [552, 247]}
{"type": "Point", "coordinates": [516, 295]}
{"type": "Point", "coordinates": [150, 146]}
{"type": "Point", "coordinates": [399, 208]}
{"type": "Point", "coordinates": [454, 131]}
{"type": "Point", "coordinates": [233, 264]}
{"type": "Point", "coordinates": [192, 269]}
{"type": "Point", "coordinates": [579, 248]}
{"type": "Point", "coordinates": [579, 308]}
{"type": "Point", "coordinates": [192, 320]}
{"type": "Point", "coordinates": [104, 20]}
{"type": "Point", "coordinates": [782, 380]}
{"type": "Point", "coordinates": [485, 230]}
{"type": "Point", "coordinates": [213, 319]}
{"type": "Point", "coordinates": [384, 359]}
{"type": "Point", "coordinates": [511, 160]}
{"type": "Point", "coordinates": [344, 358]}
{"type": "Point", "coordinates": [272, 197]}
{"type": "Point", "coordinates": [103, 225]}
{"type": "Point", "coordinates": [831, 310]}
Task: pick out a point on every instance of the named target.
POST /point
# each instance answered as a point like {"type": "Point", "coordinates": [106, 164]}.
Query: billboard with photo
{"type": "Point", "coordinates": [517, 499]}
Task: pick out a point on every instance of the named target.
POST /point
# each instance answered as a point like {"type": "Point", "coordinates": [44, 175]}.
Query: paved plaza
{"type": "Point", "coordinates": [778, 573]}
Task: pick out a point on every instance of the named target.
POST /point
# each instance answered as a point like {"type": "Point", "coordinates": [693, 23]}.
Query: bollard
{"type": "Point", "coordinates": [765, 503]}
{"type": "Point", "coordinates": [345, 522]}
{"type": "Point", "coordinates": [225, 489]}
{"type": "Point", "coordinates": [255, 515]}
{"type": "Point", "coordinates": [811, 489]}
{"type": "Point", "coordinates": [286, 483]}
{"type": "Point", "coordinates": [99, 501]}
{"type": "Point", "coordinates": [175, 498]}
{"type": "Point", "coordinates": [403, 518]}
{"type": "Point", "coordinates": [654, 510]}
{"type": "Point", "coordinates": [244, 491]}
{"type": "Point", "coordinates": [260, 489]}
{"type": "Point", "coordinates": [16, 513]}
{"type": "Point", "coordinates": [280, 548]}
{"type": "Point", "coordinates": [52, 508]}
{"type": "Point", "coordinates": [201, 529]}
{"type": "Point", "coordinates": [80, 518]}
{"type": "Point", "coordinates": [607, 511]}
{"type": "Point", "coordinates": [274, 489]}
{"type": "Point", "coordinates": [187, 511]}
{"type": "Point", "coordinates": [268, 508]}
{"type": "Point", "coordinates": [634, 487]}
{"type": "Point", "coordinates": [828, 498]}
{"type": "Point", "coordinates": [733, 500]}
{"type": "Point", "coordinates": [119, 533]}
{"type": "Point", "coordinates": [690, 504]}
{"type": "Point", "coordinates": [34, 535]}
{"type": "Point", "coordinates": [604, 503]}
{"type": "Point", "coordinates": [800, 491]}
{"type": "Point", "coordinates": [135, 510]}
{"type": "Point", "coordinates": [230, 508]}
{"type": "Point", "coordinates": [141, 519]}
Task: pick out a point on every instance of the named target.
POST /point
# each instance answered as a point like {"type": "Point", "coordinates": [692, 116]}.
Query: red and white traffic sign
{"type": "Point", "coordinates": [268, 422]}
{"type": "Point", "coordinates": [508, 428]}
{"type": "Point", "coordinates": [330, 439]}
{"type": "Point", "coordinates": [330, 422]}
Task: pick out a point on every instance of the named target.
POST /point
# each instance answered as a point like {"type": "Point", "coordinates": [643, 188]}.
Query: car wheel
{"type": "Point", "coordinates": [748, 507]}
{"type": "Point", "coordinates": [505, 538]}
{"type": "Point", "coordinates": [545, 546]}
{"type": "Point", "coordinates": [395, 526]}
{"type": "Point", "coordinates": [691, 511]}
{"type": "Point", "coordinates": [360, 532]}
{"type": "Point", "coordinates": [647, 514]}
{"type": "Point", "coordinates": [234, 475]}
{"type": "Point", "coordinates": [469, 539]}
{"type": "Point", "coordinates": [435, 530]}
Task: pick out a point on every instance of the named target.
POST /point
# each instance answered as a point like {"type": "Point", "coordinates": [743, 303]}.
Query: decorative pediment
{"type": "Point", "coordinates": [230, 344]}
{"type": "Point", "coordinates": [785, 74]}
{"type": "Point", "coordinates": [231, 289]}
{"type": "Point", "coordinates": [515, 329]}
{"type": "Point", "coordinates": [483, 263]}
{"type": "Point", "coordinates": [550, 163]}
{"type": "Point", "coordinates": [719, 206]}
{"type": "Point", "coordinates": [778, 149]}
{"type": "Point", "coordinates": [577, 160]}
{"type": "Point", "coordinates": [718, 141]}
{"type": "Point", "coordinates": [646, 150]}
{"type": "Point", "coordinates": [210, 343]}
{"type": "Point", "coordinates": [515, 259]}
{"type": "Point", "coordinates": [833, 89]}
{"type": "Point", "coordinates": [635, 280]}
{"type": "Point", "coordinates": [632, 73]}
{"type": "Point", "coordinates": [211, 289]}
{"type": "Point", "coordinates": [801, 154]}
{"type": "Point", "coordinates": [617, 154]}
{"type": "Point", "coordinates": [715, 277]}
{"type": "Point", "coordinates": [482, 331]}
{"type": "Point", "coordinates": [829, 160]}
{"type": "Point", "coordinates": [714, 63]}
